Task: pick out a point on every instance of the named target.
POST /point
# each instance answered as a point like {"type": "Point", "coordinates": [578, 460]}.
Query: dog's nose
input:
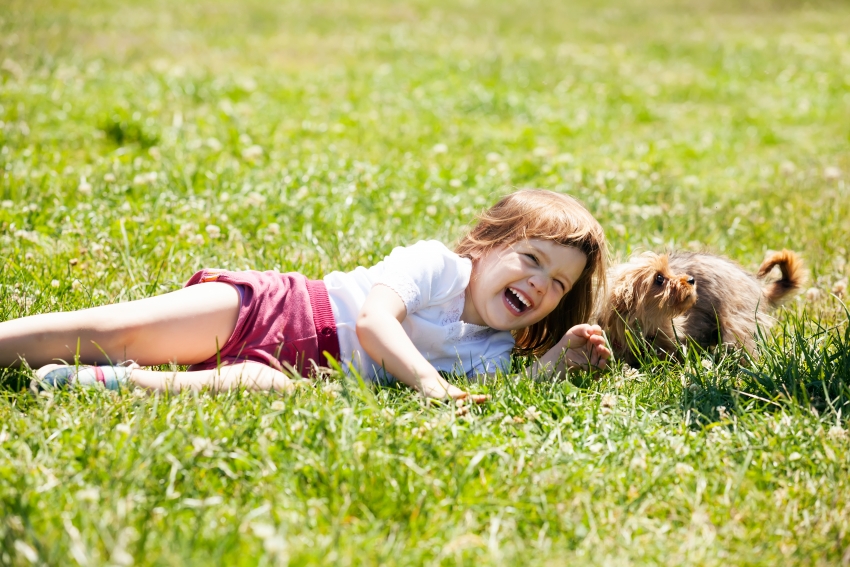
{"type": "Point", "coordinates": [691, 280]}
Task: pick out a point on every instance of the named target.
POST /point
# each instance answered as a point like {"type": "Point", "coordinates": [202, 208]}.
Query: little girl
{"type": "Point", "coordinates": [524, 280]}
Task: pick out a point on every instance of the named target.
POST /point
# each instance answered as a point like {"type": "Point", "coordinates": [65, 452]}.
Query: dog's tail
{"type": "Point", "coordinates": [792, 280]}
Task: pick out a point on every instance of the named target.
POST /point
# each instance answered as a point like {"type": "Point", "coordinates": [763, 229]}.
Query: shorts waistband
{"type": "Point", "coordinates": [323, 318]}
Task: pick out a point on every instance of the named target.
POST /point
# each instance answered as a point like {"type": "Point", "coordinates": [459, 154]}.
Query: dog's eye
{"type": "Point", "coordinates": [659, 279]}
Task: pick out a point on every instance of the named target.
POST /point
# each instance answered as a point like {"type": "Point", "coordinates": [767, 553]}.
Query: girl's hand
{"type": "Point", "coordinates": [585, 347]}
{"type": "Point", "coordinates": [438, 388]}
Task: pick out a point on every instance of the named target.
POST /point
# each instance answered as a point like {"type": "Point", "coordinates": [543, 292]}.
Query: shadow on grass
{"type": "Point", "coordinates": [14, 379]}
{"type": "Point", "coordinates": [803, 362]}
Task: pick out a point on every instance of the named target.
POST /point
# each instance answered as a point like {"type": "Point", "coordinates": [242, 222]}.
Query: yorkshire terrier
{"type": "Point", "coordinates": [660, 300]}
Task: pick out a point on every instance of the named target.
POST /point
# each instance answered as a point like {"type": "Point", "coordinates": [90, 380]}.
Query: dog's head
{"type": "Point", "coordinates": [648, 291]}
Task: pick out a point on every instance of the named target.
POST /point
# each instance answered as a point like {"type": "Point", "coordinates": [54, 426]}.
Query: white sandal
{"type": "Point", "coordinates": [60, 376]}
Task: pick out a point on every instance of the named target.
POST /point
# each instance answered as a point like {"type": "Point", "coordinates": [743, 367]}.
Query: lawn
{"type": "Point", "coordinates": [142, 141]}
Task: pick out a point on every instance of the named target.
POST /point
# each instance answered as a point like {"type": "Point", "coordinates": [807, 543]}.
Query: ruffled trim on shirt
{"type": "Point", "coordinates": [467, 332]}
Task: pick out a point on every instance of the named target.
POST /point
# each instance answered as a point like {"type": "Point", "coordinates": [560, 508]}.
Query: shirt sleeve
{"type": "Point", "coordinates": [426, 273]}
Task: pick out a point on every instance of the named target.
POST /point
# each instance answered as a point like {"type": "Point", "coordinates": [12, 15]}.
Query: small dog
{"type": "Point", "coordinates": [662, 299]}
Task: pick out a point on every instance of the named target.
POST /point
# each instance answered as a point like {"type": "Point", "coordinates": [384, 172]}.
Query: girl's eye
{"type": "Point", "coordinates": [659, 279]}
{"type": "Point", "coordinates": [533, 258]}
{"type": "Point", "coordinates": [561, 285]}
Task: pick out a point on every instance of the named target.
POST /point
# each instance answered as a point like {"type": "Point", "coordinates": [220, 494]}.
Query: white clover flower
{"type": "Point", "coordinates": [840, 287]}
{"type": "Point", "coordinates": [596, 447]}
{"type": "Point", "coordinates": [145, 178]}
{"type": "Point", "coordinates": [493, 157]}
{"type": "Point", "coordinates": [84, 187]}
{"type": "Point", "coordinates": [813, 294]}
{"type": "Point", "coordinates": [255, 199]}
{"type": "Point", "coordinates": [532, 413]}
{"type": "Point", "coordinates": [609, 400]}
{"type": "Point", "coordinates": [90, 494]}
{"type": "Point", "coordinates": [203, 446]}
{"type": "Point", "coordinates": [15, 523]}
{"type": "Point", "coordinates": [787, 168]}
{"type": "Point", "coordinates": [831, 173]}
{"type": "Point", "coordinates": [54, 283]}
{"type": "Point", "coordinates": [629, 372]}
{"type": "Point", "coordinates": [795, 456]}
{"type": "Point", "coordinates": [440, 148]}
{"type": "Point", "coordinates": [455, 183]}
{"type": "Point", "coordinates": [109, 177]}
{"type": "Point", "coordinates": [252, 152]}
{"type": "Point", "coordinates": [123, 428]}
{"type": "Point", "coordinates": [837, 433]}
{"type": "Point", "coordinates": [683, 468]}
{"type": "Point", "coordinates": [263, 531]}
{"type": "Point", "coordinates": [278, 405]}
{"type": "Point", "coordinates": [276, 546]}
{"type": "Point", "coordinates": [721, 411]}
{"type": "Point", "coordinates": [638, 462]}
{"type": "Point", "coordinates": [213, 231]}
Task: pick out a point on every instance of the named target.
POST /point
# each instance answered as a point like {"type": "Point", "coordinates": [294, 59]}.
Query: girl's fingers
{"type": "Point", "coordinates": [445, 390]}
{"type": "Point", "coordinates": [479, 398]}
{"type": "Point", "coordinates": [458, 394]}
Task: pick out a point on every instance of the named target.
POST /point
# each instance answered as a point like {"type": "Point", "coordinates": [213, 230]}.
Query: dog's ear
{"type": "Point", "coordinates": [643, 278]}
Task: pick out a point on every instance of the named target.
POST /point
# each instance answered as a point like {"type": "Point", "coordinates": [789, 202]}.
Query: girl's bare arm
{"type": "Point", "coordinates": [384, 339]}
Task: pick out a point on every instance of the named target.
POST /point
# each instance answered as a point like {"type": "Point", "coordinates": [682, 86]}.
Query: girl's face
{"type": "Point", "coordinates": [514, 286]}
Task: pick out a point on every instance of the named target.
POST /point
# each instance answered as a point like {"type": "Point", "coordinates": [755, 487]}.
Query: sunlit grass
{"type": "Point", "coordinates": [141, 142]}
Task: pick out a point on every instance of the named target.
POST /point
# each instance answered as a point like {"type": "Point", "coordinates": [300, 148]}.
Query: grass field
{"type": "Point", "coordinates": [142, 141]}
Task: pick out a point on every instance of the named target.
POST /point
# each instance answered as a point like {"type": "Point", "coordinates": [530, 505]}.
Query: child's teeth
{"type": "Point", "coordinates": [520, 297]}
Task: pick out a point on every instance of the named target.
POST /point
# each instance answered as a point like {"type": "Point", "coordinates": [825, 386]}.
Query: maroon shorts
{"type": "Point", "coordinates": [285, 321]}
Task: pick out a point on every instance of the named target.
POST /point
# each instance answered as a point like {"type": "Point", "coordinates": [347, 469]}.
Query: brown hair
{"type": "Point", "coordinates": [545, 215]}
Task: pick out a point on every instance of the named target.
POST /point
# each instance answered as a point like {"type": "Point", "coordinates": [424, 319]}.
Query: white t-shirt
{"type": "Point", "coordinates": [430, 279]}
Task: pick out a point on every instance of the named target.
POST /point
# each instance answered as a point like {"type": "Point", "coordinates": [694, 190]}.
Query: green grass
{"type": "Point", "coordinates": [319, 135]}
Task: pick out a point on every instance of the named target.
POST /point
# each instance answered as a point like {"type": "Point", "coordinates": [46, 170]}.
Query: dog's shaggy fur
{"type": "Point", "coordinates": [662, 299]}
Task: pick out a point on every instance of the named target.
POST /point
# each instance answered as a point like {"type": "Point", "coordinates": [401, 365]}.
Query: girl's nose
{"type": "Point", "coordinates": [538, 283]}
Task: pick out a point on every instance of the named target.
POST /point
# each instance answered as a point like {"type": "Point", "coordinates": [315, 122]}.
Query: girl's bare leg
{"type": "Point", "coordinates": [182, 327]}
{"type": "Point", "coordinates": [248, 375]}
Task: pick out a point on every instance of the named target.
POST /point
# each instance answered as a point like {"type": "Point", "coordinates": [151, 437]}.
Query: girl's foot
{"type": "Point", "coordinates": [62, 376]}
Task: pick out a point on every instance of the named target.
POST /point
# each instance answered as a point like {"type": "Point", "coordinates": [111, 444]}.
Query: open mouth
{"type": "Point", "coordinates": [516, 301]}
